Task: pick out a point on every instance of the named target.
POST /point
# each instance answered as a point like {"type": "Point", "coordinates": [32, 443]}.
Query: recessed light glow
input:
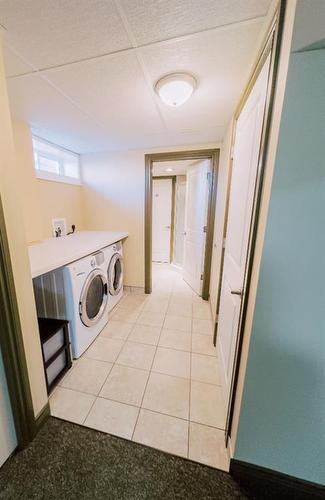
{"type": "Point", "coordinates": [175, 89]}
{"type": "Point", "coordinates": [169, 170]}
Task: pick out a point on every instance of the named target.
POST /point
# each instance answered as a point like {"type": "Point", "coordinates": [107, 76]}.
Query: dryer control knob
{"type": "Point", "coordinates": [93, 262]}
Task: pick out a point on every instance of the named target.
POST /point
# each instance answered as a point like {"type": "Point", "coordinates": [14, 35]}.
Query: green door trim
{"type": "Point", "coordinates": [12, 349]}
{"type": "Point", "coordinates": [199, 154]}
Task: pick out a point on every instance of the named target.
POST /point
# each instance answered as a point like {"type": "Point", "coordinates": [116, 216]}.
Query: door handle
{"type": "Point", "coordinates": [237, 292]}
{"type": "Point", "coordinates": [167, 227]}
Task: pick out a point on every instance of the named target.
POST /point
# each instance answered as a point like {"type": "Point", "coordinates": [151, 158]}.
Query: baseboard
{"type": "Point", "coordinates": [138, 290]}
{"type": "Point", "coordinates": [42, 418]}
{"type": "Point", "coordinates": [264, 484]}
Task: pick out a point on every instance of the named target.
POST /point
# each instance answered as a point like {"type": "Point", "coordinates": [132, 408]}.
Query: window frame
{"type": "Point", "coordinates": [53, 176]}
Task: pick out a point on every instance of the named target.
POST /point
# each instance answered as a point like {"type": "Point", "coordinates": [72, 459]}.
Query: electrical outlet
{"type": "Point", "coordinates": [59, 227]}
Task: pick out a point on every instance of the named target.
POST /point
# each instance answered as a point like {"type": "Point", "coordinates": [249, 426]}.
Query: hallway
{"type": "Point", "coordinates": [152, 375]}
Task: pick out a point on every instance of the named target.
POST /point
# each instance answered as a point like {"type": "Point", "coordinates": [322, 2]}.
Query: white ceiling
{"type": "Point", "coordinates": [82, 73]}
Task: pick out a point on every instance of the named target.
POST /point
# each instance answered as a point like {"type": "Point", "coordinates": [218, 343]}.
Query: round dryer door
{"type": "Point", "coordinates": [115, 274]}
{"type": "Point", "coordinates": [93, 299]}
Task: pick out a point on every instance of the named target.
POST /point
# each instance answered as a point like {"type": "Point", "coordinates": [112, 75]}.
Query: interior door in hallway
{"type": "Point", "coordinates": [243, 181]}
{"type": "Point", "coordinates": [161, 219]}
{"type": "Point", "coordinates": [8, 441]}
{"type": "Point", "coordinates": [180, 197]}
{"type": "Point", "coordinates": [195, 221]}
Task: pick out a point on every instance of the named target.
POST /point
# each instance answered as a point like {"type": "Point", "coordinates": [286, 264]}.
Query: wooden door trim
{"type": "Point", "coordinates": [12, 349]}
{"type": "Point", "coordinates": [271, 45]}
{"type": "Point", "coordinates": [199, 154]}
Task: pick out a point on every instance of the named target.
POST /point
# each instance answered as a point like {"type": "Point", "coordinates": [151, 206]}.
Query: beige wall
{"type": "Point", "coordinates": [114, 200]}
{"type": "Point", "coordinates": [10, 196]}
{"type": "Point", "coordinates": [26, 181]}
{"type": "Point", "coordinates": [59, 200]}
{"type": "Point", "coordinates": [43, 200]}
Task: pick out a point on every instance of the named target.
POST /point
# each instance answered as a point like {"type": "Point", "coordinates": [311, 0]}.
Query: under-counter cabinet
{"type": "Point", "coordinates": [54, 334]}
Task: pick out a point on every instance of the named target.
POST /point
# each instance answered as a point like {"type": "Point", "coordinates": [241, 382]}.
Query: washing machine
{"type": "Point", "coordinates": [114, 271]}
{"type": "Point", "coordinates": [86, 300]}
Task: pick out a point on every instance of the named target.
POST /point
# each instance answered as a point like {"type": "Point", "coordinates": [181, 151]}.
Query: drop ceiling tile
{"type": "Point", "coordinates": [48, 33]}
{"type": "Point", "coordinates": [114, 109]}
{"type": "Point", "coordinates": [52, 116]}
{"type": "Point", "coordinates": [153, 20]}
{"type": "Point", "coordinates": [14, 64]}
{"type": "Point", "coordinates": [165, 139]}
{"type": "Point", "coordinates": [220, 61]}
{"type": "Point", "coordinates": [113, 90]}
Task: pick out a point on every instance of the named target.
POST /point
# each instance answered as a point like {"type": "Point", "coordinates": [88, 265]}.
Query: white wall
{"type": "Point", "coordinates": [114, 200]}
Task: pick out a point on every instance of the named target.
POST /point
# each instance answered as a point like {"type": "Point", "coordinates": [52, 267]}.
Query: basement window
{"type": "Point", "coordinates": [53, 163]}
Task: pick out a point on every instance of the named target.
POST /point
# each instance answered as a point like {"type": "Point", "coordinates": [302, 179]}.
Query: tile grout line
{"type": "Point", "coordinates": [113, 364]}
{"type": "Point", "coordinates": [150, 371]}
{"type": "Point", "coordinates": [96, 396]}
{"type": "Point", "coordinates": [146, 385]}
{"type": "Point", "coordinates": [156, 346]}
{"type": "Point", "coordinates": [171, 293]}
{"type": "Point", "coordinates": [136, 406]}
{"type": "Point", "coordinates": [190, 386]}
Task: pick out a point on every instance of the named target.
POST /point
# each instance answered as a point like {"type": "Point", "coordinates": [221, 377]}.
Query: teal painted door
{"type": "Point", "coordinates": [8, 440]}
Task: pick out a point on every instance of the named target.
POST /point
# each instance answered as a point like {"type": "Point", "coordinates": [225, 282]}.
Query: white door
{"type": "Point", "coordinates": [243, 181]}
{"type": "Point", "coordinates": [162, 190]}
{"type": "Point", "coordinates": [179, 223]}
{"type": "Point", "coordinates": [8, 441]}
{"type": "Point", "coordinates": [195, 221]}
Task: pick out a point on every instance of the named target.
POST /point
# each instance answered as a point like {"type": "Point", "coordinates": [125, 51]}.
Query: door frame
{"type": "Point", "coordinates": [198, 154]}
{"type": "Point", "coordinates": [13, 352]}
{"type": "Point", "coordinates": [172, 221]}
{"type": "Point", "coordinates": [271, 45]}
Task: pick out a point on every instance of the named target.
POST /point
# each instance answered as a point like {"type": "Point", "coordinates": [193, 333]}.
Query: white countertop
{"type": "Point", "coordinates": [57, 252]}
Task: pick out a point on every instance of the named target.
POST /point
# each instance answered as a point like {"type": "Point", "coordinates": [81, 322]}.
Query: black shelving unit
{"type": "Point", "coordinates": [55, 341]}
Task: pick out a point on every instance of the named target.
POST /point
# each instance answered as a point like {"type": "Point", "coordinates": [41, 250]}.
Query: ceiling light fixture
{"type": "Point", "coordinates": [175, 89]}
{"type": "Point", "coordinates": [169, 170]}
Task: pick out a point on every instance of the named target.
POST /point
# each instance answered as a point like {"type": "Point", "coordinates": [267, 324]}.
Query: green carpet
{"type": "Point", "coordinates": [67, 461]}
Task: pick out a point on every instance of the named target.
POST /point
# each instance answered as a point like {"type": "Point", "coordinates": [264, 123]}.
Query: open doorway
{"type": "Point", "coordinates": [180, 197]}
{"type": "Point", "coordinates": [179, 218]}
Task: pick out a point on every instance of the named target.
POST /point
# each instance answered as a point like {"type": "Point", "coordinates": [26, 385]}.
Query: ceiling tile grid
{"type": "Point", "coordinates": [113, 89]}
{"type": "Point", "coordinates": [14, 63]}
{"type": "Point", "coordinates": [54, 32]}
{"type": "Point", "coordinates": [219, 60]}
{"type": "Point", "coordinates": [95, 91]}
{"type": "Point", "coordinates": [153, 20]}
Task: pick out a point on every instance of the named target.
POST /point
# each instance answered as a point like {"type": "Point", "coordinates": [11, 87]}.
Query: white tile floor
{"type": "Point", "coordinates": [152, 375]}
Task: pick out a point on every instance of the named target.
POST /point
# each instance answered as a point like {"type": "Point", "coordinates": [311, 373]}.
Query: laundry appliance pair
{"type": "Point", "coordinates": [83, 292]}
